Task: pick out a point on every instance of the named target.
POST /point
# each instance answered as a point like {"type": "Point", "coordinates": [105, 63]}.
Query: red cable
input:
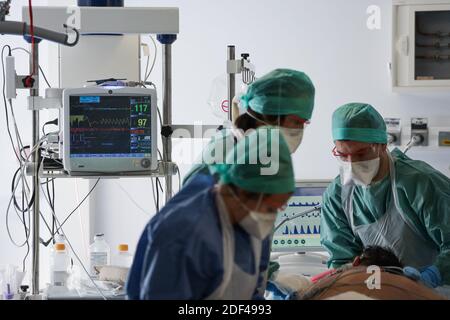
{"type": "Point", "coordinates": [30, 10]}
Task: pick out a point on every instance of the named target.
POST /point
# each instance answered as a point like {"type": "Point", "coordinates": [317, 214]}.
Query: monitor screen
{"type": "Point", "coordinates": [302, 233]}
{"type": "Point", "coordinates": [110, 126]}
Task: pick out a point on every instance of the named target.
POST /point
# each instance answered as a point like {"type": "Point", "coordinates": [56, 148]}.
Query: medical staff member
{"type": "Point", "coordinates": [385, 199]}
{"type": "Point", "coordinates": [212, 240]}
{"type": "Point", "coordinates": [282, 98]}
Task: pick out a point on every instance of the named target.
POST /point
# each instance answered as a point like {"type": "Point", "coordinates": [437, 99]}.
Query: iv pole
{"type": "Point", "coordinates": [231, 82]}
{"type": "Point", "coordinates": [166, 131]}
{"type": "Point", "coordinates": [237, 66]}
{"type": "Point", "coordinates": [20, 28]}
{"type": "Point", "coordinates": [35, 160]}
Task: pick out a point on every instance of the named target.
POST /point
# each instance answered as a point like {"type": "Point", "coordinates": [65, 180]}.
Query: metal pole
{"type": "Point", "coordinates": [167, 115]}
{"type": "Point", "coordinates": [231, 83]}
{"type": "Point", "coordinates": [36, 160]}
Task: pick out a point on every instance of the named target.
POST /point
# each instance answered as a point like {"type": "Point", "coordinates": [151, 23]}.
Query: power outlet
{"type": "Point", "coordinates": [444, 139]}
{"type": "Point", "coordinates": [394, 131]}
{"type": "Point", "coordinates": [419, 129]}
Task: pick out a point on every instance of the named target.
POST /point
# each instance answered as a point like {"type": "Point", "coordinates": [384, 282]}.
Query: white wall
{"type": "Point", "coordinates": [328, 39]}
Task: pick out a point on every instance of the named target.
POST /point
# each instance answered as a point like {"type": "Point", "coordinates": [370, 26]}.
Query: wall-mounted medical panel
{"type": "Point", "coordinates": [421, 46]}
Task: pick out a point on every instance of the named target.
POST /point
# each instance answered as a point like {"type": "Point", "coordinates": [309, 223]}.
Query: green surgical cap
{"type": "Point", "coordinates": [359, 122]}
{"type": "Point", "coordinates": [260, 163]}
{"type": "Point", "coordinates": [281, 92]}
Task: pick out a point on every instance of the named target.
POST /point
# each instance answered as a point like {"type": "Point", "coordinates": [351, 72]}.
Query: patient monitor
{"type": "Point", "coordinates": [109, 130]}
{"type": "Point", "coordinates": [302, 233]}
{"type": "Point", "coordinates": [296, 241]}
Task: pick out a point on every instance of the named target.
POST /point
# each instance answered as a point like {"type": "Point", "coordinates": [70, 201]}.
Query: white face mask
{"type": "Point", "coordinates": [293, 137]}
{"type": "Point", "coordinates": [360, 173]}
{"type": "Point", "coordinates": [257, 224]}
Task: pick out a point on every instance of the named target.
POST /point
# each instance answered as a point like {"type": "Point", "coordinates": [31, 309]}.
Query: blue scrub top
{"type": "Point", "coordinates": [180, 253]}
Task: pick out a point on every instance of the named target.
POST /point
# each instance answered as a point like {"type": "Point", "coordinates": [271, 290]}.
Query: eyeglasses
{"type": "Point", "coordinates": [293, 121]}
{"type": "Point", "coordinates": [360, 155]}
{"type": "Point", "coordinates": [295, 118]}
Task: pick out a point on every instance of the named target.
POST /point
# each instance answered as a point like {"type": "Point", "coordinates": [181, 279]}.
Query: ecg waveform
{"type": "Point", "coordinates": [304, 225]}
{"type": "Point", "coordinates": [110, 125]}
{"type": "Point", "coordinates": [306, 204]}
{"type": "Point", "coordinates": [301, 230]}
{"type": "Point", "coordinates": [82, 121]}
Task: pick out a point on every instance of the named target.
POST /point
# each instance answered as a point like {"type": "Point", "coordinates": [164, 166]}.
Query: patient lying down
{"type": "Point", "coordinates": [362, 279]}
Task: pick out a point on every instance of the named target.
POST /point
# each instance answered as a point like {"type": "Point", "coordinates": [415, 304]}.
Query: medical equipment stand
{"type": "Point", "coordinates": [166, 130]}
{"type": "Point", "coordinates": [161, 21]}
{"type": "Point", "coordinates": [34, 63]}
{"type": "Point", "coordinates": [35, 104]}
{"type": "Point", "coordinates": [231, 82]}
{"type": "Point", "coordinates": [237, 66]}
{"type": "Point", "coordinates": [19, 28]}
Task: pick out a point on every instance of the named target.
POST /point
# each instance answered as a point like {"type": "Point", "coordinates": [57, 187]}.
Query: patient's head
{"type": "Point", "coordinates": [377, 256]}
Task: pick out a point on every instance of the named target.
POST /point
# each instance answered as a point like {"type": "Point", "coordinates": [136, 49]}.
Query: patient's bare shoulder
{"type": "Point", "coordinates": [392, 287]}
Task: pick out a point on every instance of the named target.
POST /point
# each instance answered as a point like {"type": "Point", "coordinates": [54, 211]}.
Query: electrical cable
{"type": "Point", "coordinates": [27, 243]}
{"type": "Point", "coordinates": [24, 209]}
{"type": "Point", "coordinates": [19, 158]}
{"type": "Point", "coordinates": [79, 205]}
{"type": "Point", "coordinates": [80, 220]}
{"type": "Point", "coordinates": [154, 59]}
{"type": "Point", "coordinates": [11, 200]}
{"type": "Point", "coordinates": [26, 204]}
{"type": "Point", "coordinates": [146, 68]}
{"type": "Point", "coordinates": [157, 195]}
{"type": "Point", "coordinates": [30, 11]}
{"type": "Point", "coordinates": [52, 205]}
{"type": "Point", "coordinates": [131, 198]}
{"type": "Point", "coordinates": [24, 194]}
{"type": "Point", "coordinates": [5, 102]}
{"type": "Point", "coordinates": [160, 118]}
{"type": "Point", "coordinates": [414, 140]}
{"type": "Point", "coordinates": [29, 205]}
{"type": "Point", "coordinates": [179, 178]}
{"type": "Point", "coordinates": [153, 193]}
{"type": "Point", "coordinates": [40, 68]}
{"type": "Point", "coordinates": [73, 250]}
{"type": "Point", "coordinates": [160, 186]}
{"type": "Point", "coordinates": [22, 218]}
{"type": "Point", "coordinates": [52, 122]}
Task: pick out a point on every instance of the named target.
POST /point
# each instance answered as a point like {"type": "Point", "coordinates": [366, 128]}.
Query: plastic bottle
{"type": "Point", "coordinates": [8, 284]}
{"type": "Point", "coordinates": [124, 258]}
{"type": "Point", "coordinates": [59, 265]}
{"type": "Point", "coordinates": [99, 252]}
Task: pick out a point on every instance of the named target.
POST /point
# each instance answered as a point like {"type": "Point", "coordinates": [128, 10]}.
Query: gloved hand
{"type": "Point", "coordinates": [273, 268]}
{"type": "Point", "coordinates": [430, 276]}
{"type": "Point", "coordinates": [276, 292]}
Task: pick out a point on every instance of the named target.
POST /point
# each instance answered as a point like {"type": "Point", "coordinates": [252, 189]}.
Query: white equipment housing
{"type": "Point", "coordinates": [109, 130]}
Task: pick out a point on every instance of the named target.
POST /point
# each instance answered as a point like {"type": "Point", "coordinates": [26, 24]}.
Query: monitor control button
{"type": "Point", "coordinates": [145, 163]}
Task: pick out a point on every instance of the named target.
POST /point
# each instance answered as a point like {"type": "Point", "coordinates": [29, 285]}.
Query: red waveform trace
{"type": "Point", "coordinates": [81, 130]}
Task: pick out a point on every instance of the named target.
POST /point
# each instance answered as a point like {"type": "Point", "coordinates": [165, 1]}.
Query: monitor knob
{"type": "Point", "coordinates": [145, 163]}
